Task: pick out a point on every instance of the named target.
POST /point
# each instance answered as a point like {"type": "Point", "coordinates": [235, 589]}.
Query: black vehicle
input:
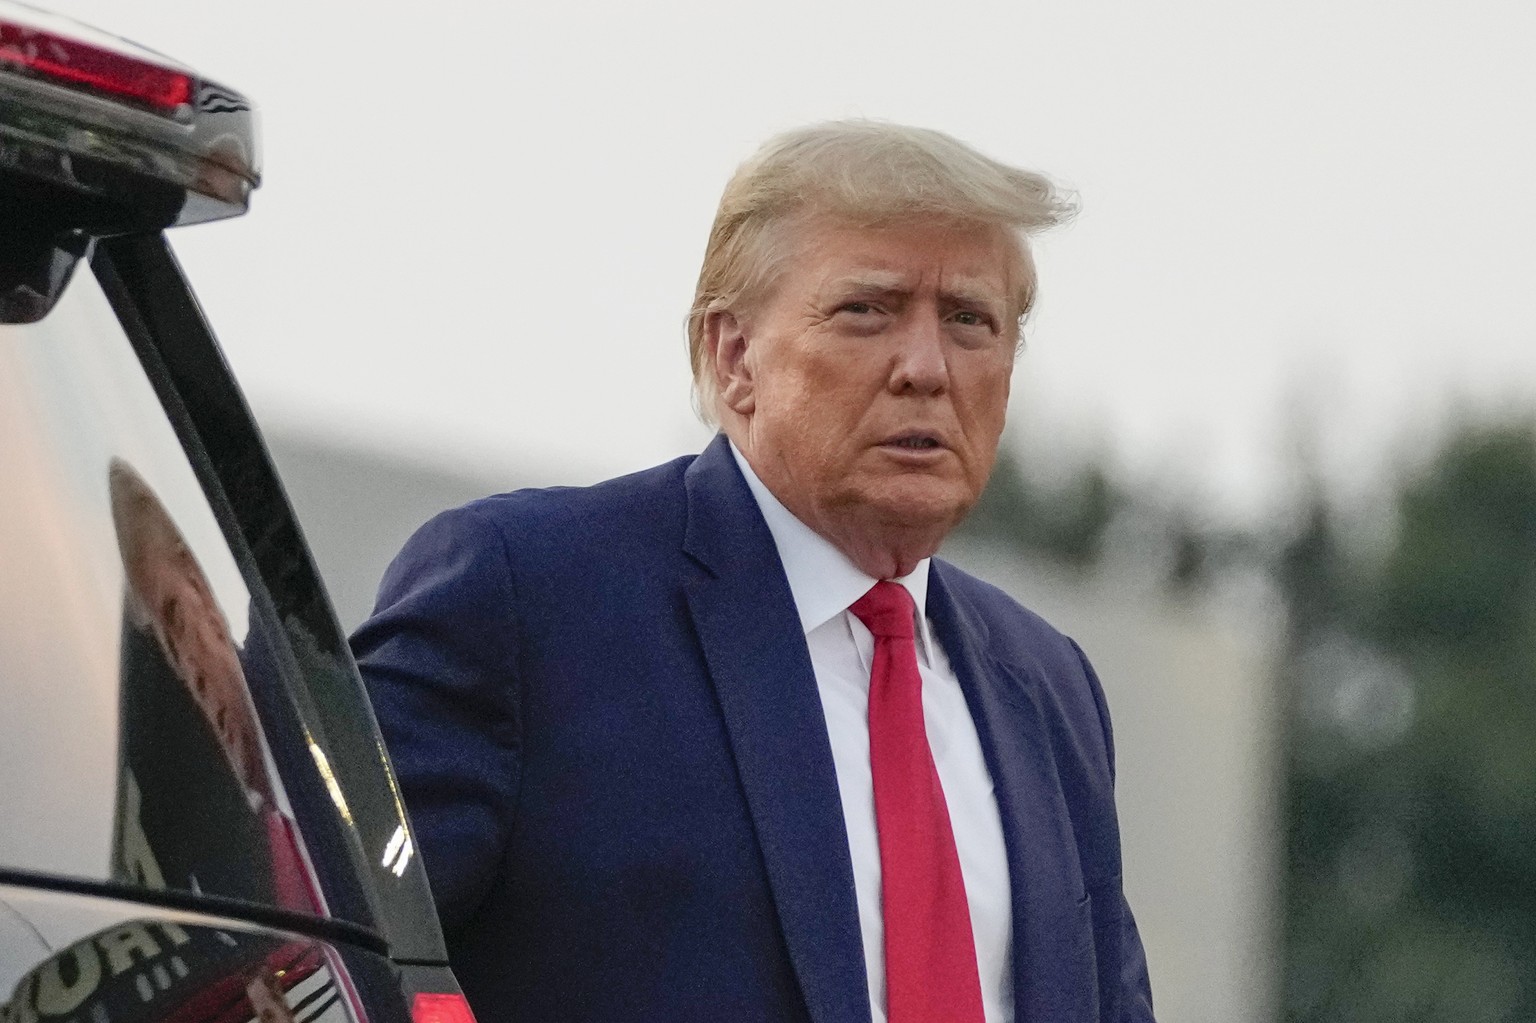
{"type": "Point", "coordinates": [198, 821]}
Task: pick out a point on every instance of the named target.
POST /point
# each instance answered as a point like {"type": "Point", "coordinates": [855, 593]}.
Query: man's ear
{"type": "Point", "coordinates": [726, 337]}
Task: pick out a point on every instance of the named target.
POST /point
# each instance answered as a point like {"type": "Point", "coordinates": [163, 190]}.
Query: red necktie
{"type": "Point", "coordinates": [296, 888]}
{"type": "Point", "coordinates": [930, 955]}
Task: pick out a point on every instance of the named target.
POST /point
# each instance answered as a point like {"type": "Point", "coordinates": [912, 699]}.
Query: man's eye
{"type": "Point", "coordinates": [967, 318]}
{"type": "Point", "coordinates": [857, 308]}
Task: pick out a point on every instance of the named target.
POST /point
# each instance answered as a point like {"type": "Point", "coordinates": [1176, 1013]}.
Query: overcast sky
{"type": "Point", "coordinates": [481, 222]}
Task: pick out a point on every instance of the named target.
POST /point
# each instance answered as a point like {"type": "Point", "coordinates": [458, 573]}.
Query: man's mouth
{"type": "Point", "coordinates": [914, 442]}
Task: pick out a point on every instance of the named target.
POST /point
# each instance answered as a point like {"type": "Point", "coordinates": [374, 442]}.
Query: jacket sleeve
{"type": "Point", "coordinates": [1135, 986]}
{"type": "Point", "coordinates": [438, 657]}
{"type": "Point", "coordinates": [1132, 1001]}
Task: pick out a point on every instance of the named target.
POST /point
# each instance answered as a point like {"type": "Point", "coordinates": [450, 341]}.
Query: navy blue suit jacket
{"type": "Point", "coordinates": [604, 718]}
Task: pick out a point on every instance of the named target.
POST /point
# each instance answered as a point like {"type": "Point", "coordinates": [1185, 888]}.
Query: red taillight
{"type": "Point", "coordinates": [71, 62]}
{"type": "Point", "coordinates": [440, 1008]}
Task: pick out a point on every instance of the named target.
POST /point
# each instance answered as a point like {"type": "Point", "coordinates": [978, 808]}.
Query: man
{"type": "Point", "coordinates": [198, 806]}
{"type": "Point", "coordinates": [678, 747]}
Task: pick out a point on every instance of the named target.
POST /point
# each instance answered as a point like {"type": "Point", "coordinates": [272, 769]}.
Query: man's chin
{"type": "Point", "coordinates": [919, 503]}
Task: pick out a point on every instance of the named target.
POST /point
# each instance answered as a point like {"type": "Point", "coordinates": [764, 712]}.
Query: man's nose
{"type": "Point", "coordinates": [921, 363]}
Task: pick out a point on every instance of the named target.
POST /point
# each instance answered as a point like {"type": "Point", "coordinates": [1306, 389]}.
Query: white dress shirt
{"type": "Point", "coordinates": [824, 583]}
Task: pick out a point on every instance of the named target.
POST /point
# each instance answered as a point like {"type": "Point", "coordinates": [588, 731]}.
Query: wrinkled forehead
{"type": "Point", "coordinates": [978, 261]}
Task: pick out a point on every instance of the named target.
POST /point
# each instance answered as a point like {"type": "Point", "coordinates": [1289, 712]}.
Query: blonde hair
{"type": "Point", "coordinates": [868, 173]}
{"type": "Point", "coordinates": [147, 538]}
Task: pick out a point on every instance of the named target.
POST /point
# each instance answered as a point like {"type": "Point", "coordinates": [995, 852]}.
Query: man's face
{"type": "Point", "coordinates": [873, 379]}
{"type": "Point", "coordinates": [196, 639]}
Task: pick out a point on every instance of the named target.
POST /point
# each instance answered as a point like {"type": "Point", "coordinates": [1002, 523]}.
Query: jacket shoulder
{"type": "Point", "coordinates": [564, 534]}
{"type": "Point", "coordinates": [640, 506]}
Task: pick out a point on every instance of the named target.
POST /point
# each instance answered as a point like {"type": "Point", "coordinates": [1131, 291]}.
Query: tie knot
{"type": "Point", "coordinates": [886, 610]}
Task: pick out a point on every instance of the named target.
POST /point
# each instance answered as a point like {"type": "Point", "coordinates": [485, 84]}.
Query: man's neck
{"type": "Point", "coordinates": [822, 579]}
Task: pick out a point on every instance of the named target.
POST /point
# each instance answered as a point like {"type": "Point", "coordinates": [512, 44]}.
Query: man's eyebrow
{"type": "Point", "coordinates": [975, 294]}
{"type": "Point", "coordinates": [872, 282]}
{"type": "Point", "coordinates": [967, 293]}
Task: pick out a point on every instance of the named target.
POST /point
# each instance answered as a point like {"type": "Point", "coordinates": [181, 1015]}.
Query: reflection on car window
{"type": "Point", "coordinates": [192, 745]}
{"type": "Point", "coordinates": [130, 743]}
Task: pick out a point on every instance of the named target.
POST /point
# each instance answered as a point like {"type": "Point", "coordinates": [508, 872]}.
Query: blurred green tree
{"type": "Point", "coordinates": [1409, 685]}
{"type": "Point", "coordinates": [1064, 523]}
{"type": "Point", "coordinates": [1410, 796]}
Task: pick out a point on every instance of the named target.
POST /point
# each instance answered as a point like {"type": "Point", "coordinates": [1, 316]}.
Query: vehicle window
{"type": "Point", "coordinates": [131, 745]}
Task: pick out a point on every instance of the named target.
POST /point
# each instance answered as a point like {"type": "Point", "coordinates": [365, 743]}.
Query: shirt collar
{"type": "Point", "coordinates": [822, 580]}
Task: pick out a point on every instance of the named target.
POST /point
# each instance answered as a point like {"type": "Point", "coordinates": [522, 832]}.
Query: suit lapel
{"type": "Point", "coordinates": [757, 659]}
{"type": "Point", "coordinates": [1050, 982]}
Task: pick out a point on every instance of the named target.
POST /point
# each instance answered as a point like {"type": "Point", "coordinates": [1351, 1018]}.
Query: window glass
{"type": "Point", "coordinates": [131, 745]}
